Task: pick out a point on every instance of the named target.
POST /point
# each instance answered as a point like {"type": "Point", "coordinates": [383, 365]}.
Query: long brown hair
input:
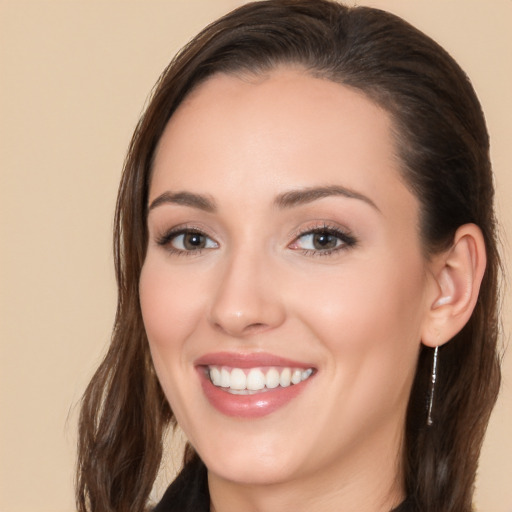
{"type": "Point", "coordinates": [443, 146]}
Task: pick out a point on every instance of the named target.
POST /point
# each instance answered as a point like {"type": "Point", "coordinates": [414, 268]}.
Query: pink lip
{"type": "Point", "coordinates": [241, 360]}
{"type": "Point", "coordinates": [248, 406]}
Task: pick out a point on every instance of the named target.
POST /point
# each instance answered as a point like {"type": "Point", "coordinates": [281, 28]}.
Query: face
{"type": "Point", "coordinates": [284, 286]}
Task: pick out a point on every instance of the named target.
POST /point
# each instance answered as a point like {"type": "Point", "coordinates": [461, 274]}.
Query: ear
{"type": "Point", "coordinates": [456, 275]}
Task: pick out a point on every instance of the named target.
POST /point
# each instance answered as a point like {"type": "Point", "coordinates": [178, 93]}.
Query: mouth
{"type": "Point", "coordinates": [251, 385]}
{"type": "Point", "coordinates": [245, 381]}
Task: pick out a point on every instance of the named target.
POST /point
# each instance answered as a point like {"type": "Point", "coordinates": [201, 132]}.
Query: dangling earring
{"type": "Point", "coordinates": [432, 388]}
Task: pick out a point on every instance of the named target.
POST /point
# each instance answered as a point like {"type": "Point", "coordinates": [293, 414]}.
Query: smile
{"type": "Point", "coordinates": [252, 385]}
{"type": "Point", "coordinates": [247, 381]}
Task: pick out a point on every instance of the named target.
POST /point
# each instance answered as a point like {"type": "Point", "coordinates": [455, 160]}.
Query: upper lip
{"type": "Point", "coordinates": [247, 360]}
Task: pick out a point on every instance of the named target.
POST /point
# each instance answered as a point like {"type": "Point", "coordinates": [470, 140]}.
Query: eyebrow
{"type": "Point", "coordinates": [288, 199]}
{"type": "Point", "coordinates": [198, 201]}
{"type": "Point", "coordinates": [308, 195]}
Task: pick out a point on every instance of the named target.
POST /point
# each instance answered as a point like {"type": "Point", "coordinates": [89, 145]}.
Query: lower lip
{"type": "Point", "coordinates": [249, 406]}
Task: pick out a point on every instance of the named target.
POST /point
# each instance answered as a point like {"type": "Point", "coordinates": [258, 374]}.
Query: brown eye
{"type": "Point", "coordinates": [322, 241]}
{"type": "Point", "coordinates": [191, 241]}
{"type": "Point", "coordinates": [186, 241]}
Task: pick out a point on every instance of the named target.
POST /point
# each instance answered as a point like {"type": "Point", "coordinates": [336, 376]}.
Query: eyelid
{"type": "Point", "coordinates": [164, 240]}
{"type": "Point", "coordinates": [345, 235]}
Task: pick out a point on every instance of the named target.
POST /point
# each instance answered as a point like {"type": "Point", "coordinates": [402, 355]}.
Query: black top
{"type": "Point", "coordinates": [189, 492]}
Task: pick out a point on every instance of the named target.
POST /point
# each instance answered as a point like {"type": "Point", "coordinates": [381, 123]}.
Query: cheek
{"type": "Point", "coordinates": [364, 296]}
{"type": "Point", "coordinates": [369, 318]}
{"type": "Point", "coordinates": [171, 310]}
{"type": "Point", "coordinates": [170, 307]}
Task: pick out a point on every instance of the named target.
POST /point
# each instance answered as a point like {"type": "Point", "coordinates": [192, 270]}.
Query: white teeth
{"type": "Point", "coordinates": [215, 376]}
{"type": "Point", "coordinates": [225, 378]}
{"type": "Point", "coordinates": [255, 380]}
{"type": "Point", "coordinates": [285, 378]}
{"type": "Point", "coordinates": [307, 373]}
{"type": "Point", "coordinates": [296, 376]}
{"type": "Point", "coordinates": [240, 381]}
{"type": "Point", "coordinates": [272, 378]}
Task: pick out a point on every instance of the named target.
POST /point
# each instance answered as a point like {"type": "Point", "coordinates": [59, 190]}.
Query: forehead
{"type": "Point", "coordinates": [283, 129]}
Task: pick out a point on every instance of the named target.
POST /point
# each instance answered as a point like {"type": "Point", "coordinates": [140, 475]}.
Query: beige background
{"type": "Point", "coordinates": [74, 76]}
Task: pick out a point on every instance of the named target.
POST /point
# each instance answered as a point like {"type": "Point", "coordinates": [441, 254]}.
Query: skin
{"type": "Point", "coordinates": [356, 314]}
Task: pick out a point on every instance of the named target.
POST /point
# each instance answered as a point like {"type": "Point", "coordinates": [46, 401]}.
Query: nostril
{"type": "Point", "coordinates": [241, 330]}
{"type": "Point", "coordinates": [255, 327]}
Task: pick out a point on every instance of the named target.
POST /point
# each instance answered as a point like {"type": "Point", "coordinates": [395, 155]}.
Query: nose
{"type": "Point", "coordinates": [247, 299]}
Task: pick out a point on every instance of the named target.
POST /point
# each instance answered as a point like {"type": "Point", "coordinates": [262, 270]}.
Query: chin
{"type": "Point", "coordinates": [250, 461]}
{"type": "Point", "coordinates": [251, 471]}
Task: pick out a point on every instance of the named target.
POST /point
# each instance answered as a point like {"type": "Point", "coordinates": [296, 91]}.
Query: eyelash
{"type": "Point", "coordinates": [346, 238]}
{"type": "Point", "coordinates": [166, 239]}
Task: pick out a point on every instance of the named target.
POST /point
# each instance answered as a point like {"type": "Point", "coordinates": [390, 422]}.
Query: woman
{"type": "Point", "coordinates": [307, 268]}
